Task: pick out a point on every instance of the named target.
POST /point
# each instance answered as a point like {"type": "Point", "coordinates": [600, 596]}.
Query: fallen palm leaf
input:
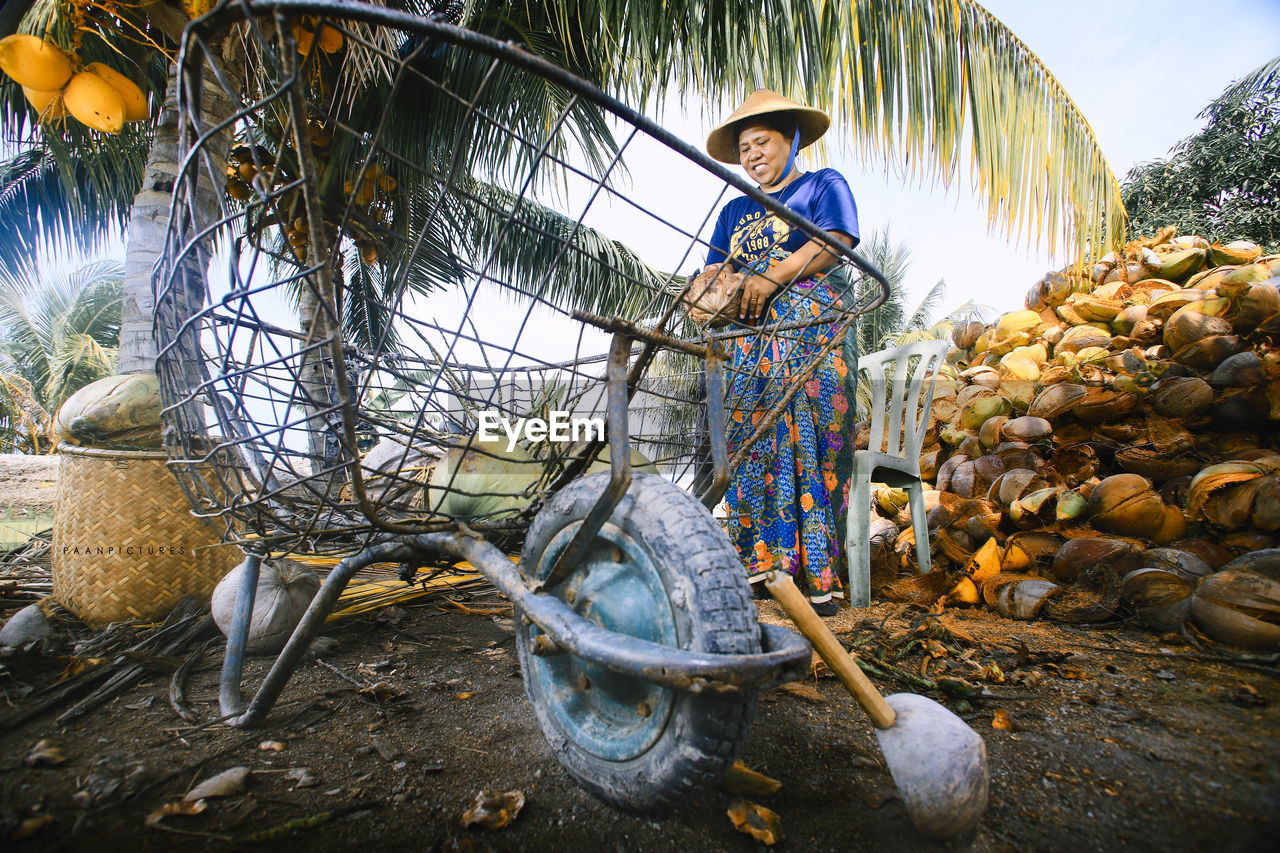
{"type": "Point", "coordinates": [760, 823]}
{"type": "Point", "coordinates": [741, 781]}
{"type": "Point", "coordinates": [228, 783]}
{"type": "Point", "coordinates": [493, 811]}
{"type": "Point", "coordinates": [45, 753]}
{"type": "Point", "coordinates": [181, 807]}
{"type": "Point", "coordinates": [803, 691]}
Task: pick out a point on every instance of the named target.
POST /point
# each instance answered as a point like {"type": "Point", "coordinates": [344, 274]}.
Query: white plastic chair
{"type": "Point", "coordinates": [895, 399]}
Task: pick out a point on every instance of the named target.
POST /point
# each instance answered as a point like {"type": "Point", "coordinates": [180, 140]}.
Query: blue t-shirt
{"type": "Point", "coordinates": [751, 237]}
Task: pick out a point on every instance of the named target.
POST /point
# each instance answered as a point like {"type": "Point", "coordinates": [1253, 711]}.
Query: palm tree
{"type": "Point", "coordinates": [61, 332]}
{"type": "Point", "coordinates": [917, 81]}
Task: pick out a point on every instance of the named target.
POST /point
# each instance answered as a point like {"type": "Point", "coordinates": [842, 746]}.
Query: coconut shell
{"type": "Point", "coordinates": [1239, 608]}
{"type": "Point", "coordinates": [963, 479]}
{"type": "Point", "coordinates": [1039, 546]}
{"type": "Point", "coordinates": [1181, 397]}
{"type": "Point", "coordinates": [945, 470]}
{"type": "Point", "coordinates": [1027, 428]}
{"type": "Point", "coordinates": [965, 334]}
{"type": "Point", "coordinates": [1075, 463]}
{"type": "Point", "coordinates": [1154, 465]}
{"type": "Point", "coordinates": [955, 545]}
{"type": "Point", "coordinates": [1114, 435]}
{"type": "Point", "coordinates": [1211, 552]}
{"type": "Point", "coordinates": [1094, 308]}
{"type": "Point", "coordinates": [1266, 505]}
{"type": "Point", "coordinates": [977, 391]}
{"type": "Point", "coordinates": [989, 433]}
{"type": "Point", "coordinates": [1237, 252]}
{"type": "Point", "coordinates": [1078, 337]}
{"type": "Point", "coordinates": [1191, 323]}
{"type": "Point", "coordinates": [1087, 553]}
{"type": "Point", "coordinates": [1125, 504]}
{"type": "Point", "coordinates": [1265, 562]}
{"type": "Point", "coordinates": [1025, 599]}
{"type": "Point", "coordinates": [971, 447]}
{"type": "Point", "coordinates": [1207, 353]}
{"type": "Point", "coordinates": [1018, 454]}
{"type": "Point", "coordinates": [987, 469]}
{"type": "Point", "coordinates": [1160, 598]}
{"type": "Point", "coordinates": [1239, 371]}
{"type": "Point", "coordinates": [1166, 305]}
{"type": "Point", "coordinates": [1123, 322]}
{"type": "Point", "coordinates": [1188, 565]}
{"type": "Point", "coordinates": [1215, 478]}
{"type": "Point", "coordinates": [1056, 400]}
{"type": "Point", "coordinates": [1035, 507]}
{"type": "Point", "coordinates": [1258, 303]}
{"type": "Point", "coordinates": [1146, 332]}
{"type": "Point", "coordinates": [1243, 541]}
{"type": "Point", "coordinates": [1011, 485]}
{"type": "Point", "coordinates": [1100, 405]}
{"type": "Point", "coordinates": [1242, 407]}
{"type": "Point", "coordinates": [1178, 265]}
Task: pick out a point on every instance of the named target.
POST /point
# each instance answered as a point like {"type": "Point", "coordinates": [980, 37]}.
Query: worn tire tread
{"type": "Point", "coordinates": [704, 732]}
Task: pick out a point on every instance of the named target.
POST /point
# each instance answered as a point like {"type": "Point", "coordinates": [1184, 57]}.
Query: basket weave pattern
{"type": "Point", "coordinates": [125, 544]}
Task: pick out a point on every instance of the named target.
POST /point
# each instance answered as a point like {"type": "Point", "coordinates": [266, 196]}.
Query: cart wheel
{"type": "Point", "coordinates": [662, 570]}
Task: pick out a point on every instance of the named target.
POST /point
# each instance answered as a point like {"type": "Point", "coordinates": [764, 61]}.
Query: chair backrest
{"type": "Point", "coordinates": [896, 398]}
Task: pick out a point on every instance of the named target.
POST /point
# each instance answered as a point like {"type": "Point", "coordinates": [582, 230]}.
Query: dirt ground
{"type": "Point", "coordinates": [1120, 740]}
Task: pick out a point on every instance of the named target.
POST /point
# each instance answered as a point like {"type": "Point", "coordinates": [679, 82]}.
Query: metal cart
{"type": "Point", "coordinates": [389, 236]}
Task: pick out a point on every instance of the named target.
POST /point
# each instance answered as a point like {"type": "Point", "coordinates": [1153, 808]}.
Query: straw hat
{"type": "Point", "coordinates": [722, 142]}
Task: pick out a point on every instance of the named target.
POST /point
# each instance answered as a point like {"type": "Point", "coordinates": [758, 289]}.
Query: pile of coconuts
{"type": "Point", "coordinates": [1111, 450]}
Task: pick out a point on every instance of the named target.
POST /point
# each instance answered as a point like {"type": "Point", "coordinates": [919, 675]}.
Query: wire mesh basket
{"type": "Point", "coordinates": [396, 242]}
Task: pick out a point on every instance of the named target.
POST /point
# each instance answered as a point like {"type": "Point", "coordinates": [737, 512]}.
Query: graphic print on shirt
{"type": "Point", "coordinates": [755, 236]}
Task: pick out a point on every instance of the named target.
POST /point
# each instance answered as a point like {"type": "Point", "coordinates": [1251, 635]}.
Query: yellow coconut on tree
{"type": "Point", "coordinates": [135, 102]}
{"type": "Point", "coordinates": [95, 102]}
{"type": "Point", "coordinates": [33, 62]}
{"type": "Point", "coordinates": [48, 105]}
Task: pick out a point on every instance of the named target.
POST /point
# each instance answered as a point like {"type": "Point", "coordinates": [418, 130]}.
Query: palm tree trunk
{"type": "Point", "coordinates": [149, 220]}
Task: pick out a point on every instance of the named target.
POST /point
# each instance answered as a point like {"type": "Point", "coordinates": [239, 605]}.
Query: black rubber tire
{"type": "Point", "coordinates": [713, 612]}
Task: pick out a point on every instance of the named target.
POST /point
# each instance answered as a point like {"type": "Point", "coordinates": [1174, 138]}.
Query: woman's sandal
{"type": "Point", "coordinates": [826, 609]}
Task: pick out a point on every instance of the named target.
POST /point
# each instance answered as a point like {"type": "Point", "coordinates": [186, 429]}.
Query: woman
{"type": "Point", "coordinates": [787, 501]}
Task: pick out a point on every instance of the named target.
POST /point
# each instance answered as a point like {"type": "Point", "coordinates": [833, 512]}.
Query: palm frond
{"type": "Point", "coordinates": [918, 82]}
{"type": "Point", "coordinates": [920, 315]}
{"type": "Point", "coordinates": [1265, 76]}
{"type": "Point", "coordinates": [545, 253]}
{"type": "Point", "coordinates": [25, 425]}
{"type": "Point", "coordinates": [60, 331]}
{"type": "Point", "coordinates": [67, 197]}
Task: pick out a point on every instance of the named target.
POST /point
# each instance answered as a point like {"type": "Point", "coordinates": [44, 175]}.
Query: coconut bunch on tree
{"type": "Point", "coordinates": [57, 84]}
{"type": "Point", "coordinates": [1124, 421]}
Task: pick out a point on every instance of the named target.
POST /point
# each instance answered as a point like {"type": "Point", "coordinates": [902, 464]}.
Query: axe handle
{"type": "Point", "coordinates": [825, 643]}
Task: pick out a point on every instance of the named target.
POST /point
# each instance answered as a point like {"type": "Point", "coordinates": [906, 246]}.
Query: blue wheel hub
{"type": "Point", "coordinates": [612, 716]}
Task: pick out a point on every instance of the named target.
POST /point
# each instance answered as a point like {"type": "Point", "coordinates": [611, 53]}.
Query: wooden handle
{"type": "Point", "coordinates": [825, 643]}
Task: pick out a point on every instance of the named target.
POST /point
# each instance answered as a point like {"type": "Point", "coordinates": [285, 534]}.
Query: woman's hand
{"type": "Point", "coordinates": [756, 290]}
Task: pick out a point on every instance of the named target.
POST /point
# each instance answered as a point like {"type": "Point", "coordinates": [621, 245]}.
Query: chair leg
{"type": "Point", "coordinates": [858, 538]}
{"type": "Point", "coordinates": [920, 525]}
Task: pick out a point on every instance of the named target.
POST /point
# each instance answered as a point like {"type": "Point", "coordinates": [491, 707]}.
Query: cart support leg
{"type": "Point", "coordinates": [620, 468]}
{"type": "Point", "coordinates": [233, 661]}
{"type": "Point", "coordinates": [717, 426]}
{"type": "Point", "coordinates": [229, 698]}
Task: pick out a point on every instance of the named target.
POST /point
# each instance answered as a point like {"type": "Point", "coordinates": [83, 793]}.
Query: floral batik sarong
{"type": "Point", "coordinates": [788, 500]}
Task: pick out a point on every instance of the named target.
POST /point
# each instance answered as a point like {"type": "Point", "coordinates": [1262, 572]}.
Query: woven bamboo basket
{"type": "Point", "coordinates": [125, 544]}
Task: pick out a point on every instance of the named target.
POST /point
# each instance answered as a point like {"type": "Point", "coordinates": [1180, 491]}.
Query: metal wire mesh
{"type": "Point", "coordinates": [376, 251]}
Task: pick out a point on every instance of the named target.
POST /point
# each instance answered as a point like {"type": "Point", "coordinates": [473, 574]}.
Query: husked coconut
{"type": "Point", "coordinates": [284, 591]}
